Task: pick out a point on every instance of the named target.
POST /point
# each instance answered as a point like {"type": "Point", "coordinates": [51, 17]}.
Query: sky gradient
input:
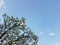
{"type": "Point", "coordinates": [42, 16]}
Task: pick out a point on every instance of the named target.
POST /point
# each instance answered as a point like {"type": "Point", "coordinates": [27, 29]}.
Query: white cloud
{"type": "Point", "coordinates": [57, 44]}
{"type": "Point", "coordinates": [41, 33]}
{"type": "Point", "coordinates": [2, 4]}
{"type": "Point", "coordinates": [51, 34]}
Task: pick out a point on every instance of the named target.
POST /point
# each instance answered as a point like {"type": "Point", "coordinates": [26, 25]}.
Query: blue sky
{"type": "Point", "coordinates": [42, 16]}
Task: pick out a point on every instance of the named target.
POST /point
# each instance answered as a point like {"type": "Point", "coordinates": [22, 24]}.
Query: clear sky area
{"type": "Point", "coordinates": [42, 16]}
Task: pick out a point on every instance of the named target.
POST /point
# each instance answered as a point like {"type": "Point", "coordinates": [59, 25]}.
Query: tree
{"type": "Point", "coordinates": [13, 31]}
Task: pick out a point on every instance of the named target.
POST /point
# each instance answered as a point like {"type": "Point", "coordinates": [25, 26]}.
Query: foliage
{"type": "Point", "coordinates": [13, 31]}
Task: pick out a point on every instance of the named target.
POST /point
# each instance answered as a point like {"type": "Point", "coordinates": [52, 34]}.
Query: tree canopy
{"type": "Point", "coordinates": [13, 31]}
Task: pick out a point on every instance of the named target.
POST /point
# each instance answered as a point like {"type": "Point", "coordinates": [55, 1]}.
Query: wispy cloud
{"type": "Point", "coordinates": [2, 4]}
{"type": "Point", "coordinates": [57, 43]}
{"type": "Point", "coordinates": [41, 33]}
{"type": "Point", "coordinates": [51, 34]}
